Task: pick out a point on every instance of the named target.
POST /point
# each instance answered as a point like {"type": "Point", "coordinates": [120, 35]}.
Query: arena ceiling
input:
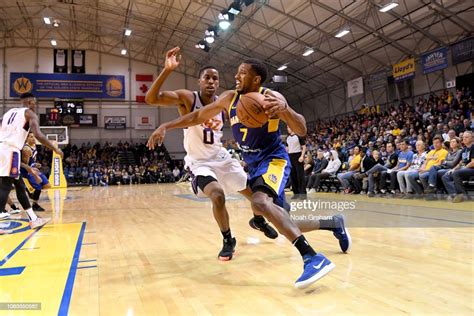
{"type": "Point", "coordinates": [277, 31]}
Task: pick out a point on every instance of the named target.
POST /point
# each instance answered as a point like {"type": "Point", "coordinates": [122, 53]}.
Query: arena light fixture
{"type": "Point", "coordinates": [210, 35]}
{"type": "Point", "coordinates": [308, 51]}
{"type": "Point", "coordinates": [123, 51]}
{"type": "Point", "coordinates": [235, 8]}
{"type": "Point", "coordinates": [54, 42]}
{"type": "Point", "coordinates": [342, 33]}
{"type": "Point", "coordinates": [282, 67]}
{"type": "Point", "coordinates": [47, 20]}
{"type": "Point", "coordinates": [389, 6]}
{"type": "Point", "coordinates": [224, 19]}
{"type": "Point", "coordinates": [128, 32]}
{"type": "Point", "coordinates": [202, 44]}
{"type": "Point", "coordinates": [56, 23]}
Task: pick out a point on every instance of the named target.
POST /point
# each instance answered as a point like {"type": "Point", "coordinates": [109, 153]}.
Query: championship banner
{"type": "Point", "coordinates": [404, 70]}
{"type": "Point", "coordinates": [463, 51]}
{"type": "Point", "coordinates": [435, 60]}
{"type": "Point", "coordinates": [143, 83]}
{"type": "Point", "coordinates": [145, 122]}
{"type": "Point", "coordinates": [60, 60]}
{"type": "Point", "coordinates": [115, 122]}
{"type": "Point", "coordinates": [355, 87]}
{"type": "Point", "coordinates": [57, 178]}
{"type": "Point", "coordinates": [78, 61]}
{"type": "Point", "coordinates": [67, 85]}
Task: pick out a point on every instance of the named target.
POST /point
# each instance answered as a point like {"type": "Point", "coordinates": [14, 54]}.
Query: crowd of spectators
{"type": "Point", "coordinates": [408, 151]}
{"type": "Point", "coordinates": [114, 164]}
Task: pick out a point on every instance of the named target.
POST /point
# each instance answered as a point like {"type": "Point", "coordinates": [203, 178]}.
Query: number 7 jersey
{"type": "Point", "coordinates": [200, 141]}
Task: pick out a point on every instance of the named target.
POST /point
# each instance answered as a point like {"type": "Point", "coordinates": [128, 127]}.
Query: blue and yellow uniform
{"type": "Point", "coordinates": [264, 153]}
{"type": "Point", "coordinates": [29, 180]}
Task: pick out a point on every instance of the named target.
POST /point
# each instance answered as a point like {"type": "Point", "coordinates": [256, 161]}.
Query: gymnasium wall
{"type": "Point", "coordinates": [41, 60]}
{"type": "Point", "coordinates": [336, 101]}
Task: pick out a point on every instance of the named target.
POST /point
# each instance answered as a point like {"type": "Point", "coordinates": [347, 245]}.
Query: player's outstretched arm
{"type": "Point", "coordinates": [181, 97]}
{"type": "Point", "coordinates": [276, 105]}
{"type": "Point", "coordinates": [32, 119]}
{"type": "Point", "coordinates": [194, 118]}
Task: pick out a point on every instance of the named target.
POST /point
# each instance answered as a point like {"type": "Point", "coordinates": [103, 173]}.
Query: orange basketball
{"type": "Point", "coordinates": [250, 110]}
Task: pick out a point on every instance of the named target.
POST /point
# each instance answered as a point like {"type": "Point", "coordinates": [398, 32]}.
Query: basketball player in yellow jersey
{"type": "Point", "coordinates": [215, 172]}
{"type": "Point", "coordinates": [268, 162]}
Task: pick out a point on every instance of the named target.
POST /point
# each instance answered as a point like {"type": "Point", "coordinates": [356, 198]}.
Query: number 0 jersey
{"type": "Point", "coordinates": [201, 142]}
{"type": "Point", "coordinates": [258, 144]}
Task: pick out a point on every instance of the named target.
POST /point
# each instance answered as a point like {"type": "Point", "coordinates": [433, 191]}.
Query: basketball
{"type": "Point", "coordinates": [250, 110]}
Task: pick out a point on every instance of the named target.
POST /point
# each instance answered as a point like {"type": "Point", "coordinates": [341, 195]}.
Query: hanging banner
{"type": "Point", "coordinates": [67, 85]}
{"type": "Point", "coordinates": [115, 122]}
{"type": "Point", "coordinates": [145, 122]}
{"type": "Point", "coordinates": [435, 60]}
{"type": "Point", "coordinates": [463, 51]}
{"type": "Point", "coordinates": [60, 60]}
{"type": "Point", "coordinates": [143, 83]}
{"type": "Point", "coordinates": [378, 79]}
{"type": "Point", "coordinates": [78, 61]}
{"type": "Point", "coordinates": [355, 87]}
{"type": "Point", "coordinates": [404, 70]}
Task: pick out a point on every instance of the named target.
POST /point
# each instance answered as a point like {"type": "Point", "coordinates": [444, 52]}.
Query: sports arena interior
{"type": "Point", "coordinates": [370, 132]}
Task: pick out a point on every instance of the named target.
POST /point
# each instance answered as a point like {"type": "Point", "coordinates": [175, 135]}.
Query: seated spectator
{"type": "Point", "coordinates": [354, 167]}
{"type": "Point", "coordinates": [320, 163]}
{"type": "Point", "coordinates": [434, 158]}
{"type": "Point", "coordinates": [405, 157]}
{"type": "Point", "coordinates": [417, 162]}
{"type": "Point", "coordinates": [367, 162]}
{"type": "Point", "coordinates": [463, 171]}
{"type": "Point", "coordinates": [391, 162]}
{"type": "Point", "coordinates": [308, 167]}
{"type": "Point", "coordinates": [334, 164]}
{"type": "Point", "coordinates": [436, 172]}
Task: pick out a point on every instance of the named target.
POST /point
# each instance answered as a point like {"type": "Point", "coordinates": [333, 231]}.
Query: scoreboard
{"type": "Point", "coordinates": [69, 106]}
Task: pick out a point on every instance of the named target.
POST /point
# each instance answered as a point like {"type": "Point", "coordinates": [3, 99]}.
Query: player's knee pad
{"type": "Point", "coordinates": [6, 183]}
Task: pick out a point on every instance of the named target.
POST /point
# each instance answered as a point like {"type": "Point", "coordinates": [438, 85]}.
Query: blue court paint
{"type": "Point", "coordinates": [11, 271]}
{"type": "Point", "coordinates": [66, 300]}
{"type": "Point", "coordinates": [14, 251]}
{"type": "Point", "coordinates": [89, 260]}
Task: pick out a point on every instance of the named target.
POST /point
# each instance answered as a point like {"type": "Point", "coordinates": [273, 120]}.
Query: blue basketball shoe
{"type": "Point", "coordinates": [341, 233]}
{"type": "Point", "coordinates": [315, 267]}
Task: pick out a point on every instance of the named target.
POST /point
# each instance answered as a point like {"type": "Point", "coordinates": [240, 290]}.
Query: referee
{"type": "Point", "coordinates": [297, 150]}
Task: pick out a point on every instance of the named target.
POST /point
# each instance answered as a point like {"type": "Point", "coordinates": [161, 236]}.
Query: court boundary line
{"type": "Point", "coordinates": [67, 294]}
{"type": "Point", "coordinates": [14, 251]}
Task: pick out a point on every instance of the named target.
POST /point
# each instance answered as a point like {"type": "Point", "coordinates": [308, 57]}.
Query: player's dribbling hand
{"type": "Point", "coordinates": [173, 57]}
{"type": "Point", "coordinates": [156, 138]}
{"type": "Point", "coordinates": [36, 174]}
{"type": "Point", "coordinates": [274, 105]}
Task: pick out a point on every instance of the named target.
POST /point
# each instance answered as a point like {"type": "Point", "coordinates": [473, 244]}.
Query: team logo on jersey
{"type": "Point", "coordinates": [22, 85]}
{"type": "Point", "coordinates": [114, 87]}
{"type": "Point", "coordinates": [273, 178]}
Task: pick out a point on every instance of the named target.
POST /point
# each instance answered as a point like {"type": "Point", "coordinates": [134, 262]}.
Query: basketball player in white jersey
{"type": "Point", "coordinates": [16, 124]}
{"type": "Point", "coordinates": [215, 172]}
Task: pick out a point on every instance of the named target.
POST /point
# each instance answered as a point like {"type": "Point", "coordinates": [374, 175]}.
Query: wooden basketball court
{"type": "Point", "coordinates": [152, 250]}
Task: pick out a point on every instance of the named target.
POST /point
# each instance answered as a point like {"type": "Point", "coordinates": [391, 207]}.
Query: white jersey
{"type": "Point", "coordinates": [15, 128]}
{"type": "Point", "coordinates": [201, 142]}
